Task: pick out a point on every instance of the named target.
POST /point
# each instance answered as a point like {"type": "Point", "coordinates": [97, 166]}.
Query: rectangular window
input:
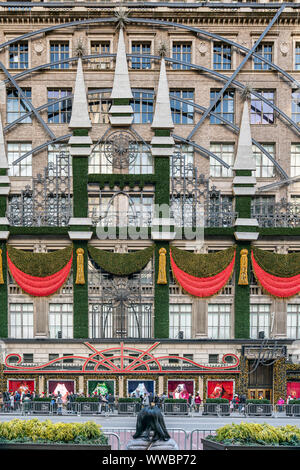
{"type": "Point", "coordinates": [259, 320]}
{"type": "Point", "coordinates": [98, 162]}
{"type": "Point", "coordinates": [296, 106]}
{"type": "Point", "coordinates": [183, 166]}
{"type": "Point", "coordinates": [297, 56]}
{"type": "Point", "coordinates": [143, 162]}
{"type": "Point", "coordinates": [141, 48]}
{"type": "Point", "coordinates": [262, 208]}
{"type": "Point", "coordinates": [224, 107]}
{"type": "Point", "coordinates": [180, 320]}
{"type": "Point", "coordinates": [293, 321]}
{"type": "Point", "coordinates": [60, 112]}
{"type": "Point", "coordinates": [182, 113]}
{"type": "Point", "coordinates": [264, 50]}
{"type": "Point", "coordinates": [218, 319]}
{"type": "Point", "coordinates": [222, 56]}
{"type": "Point", "coordinates": [213, 358]}
{"type": "Point", "coordinates": [61, 320]}
{"type": "Point", "coordinates": [264, 166]}
{"type": "Point", "coordinates": [21, 320]}
{"type": "Point", "coordinates": [99, 105]}
{"type": "Point", "coordinates": [295, 160]}
{"type": "Point", "coordinates": [100, 321]}
{"type": "Point", "coordinates": [18, 55]}
{"type": "Point", "coordinates": [139, 321]}
{"type": "Point", "coordinates": [59, 50]}
{"type": "Point", "coordinates": [16, 107]}
{"type": "Point", "coordinates": [142, 105]}
{"type": "Point", "coordinates": [260, 111]}
{"type": "Point", "coordinates": [182, 51]}
{"type": "Point", "coordinates": [140, 210]}
{"type": "Point", "coordinates": [226, 152]}
{"type": "Point", "coordinates": [28, 358]}
{"type": "Point", "coordinates": [53, 356]}
{"type": "Point", "coordinates": [101, 47]}
{"type": "Point", "coordinates": [15, 150]}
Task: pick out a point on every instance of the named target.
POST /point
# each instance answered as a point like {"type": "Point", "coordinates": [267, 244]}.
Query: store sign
{"type": "Point", "coordinates": [122, 359]}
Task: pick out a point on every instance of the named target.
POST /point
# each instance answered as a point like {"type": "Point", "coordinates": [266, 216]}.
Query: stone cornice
{"type": "Point", "coordinates": [194, 16]}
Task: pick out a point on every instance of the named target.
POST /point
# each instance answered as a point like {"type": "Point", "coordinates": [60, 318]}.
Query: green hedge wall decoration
{"type": "Point", "coordinates": [161, 298]}
{"type": "Point", "coordinates": [80, 295]}
{"type": "Point", "coordinates": [4, 296]}
{"type": "Point", "coordinates": [80, 182]}
{"type": "Point", "coordinates": [241, 297]}
{"type": "Point", "coordinates": [202, 265]}
{"type": "Point", "coordinates": [39, 264]}
{"type": "Point", "coordinates": [278, 264]}
{"type": "Point", "coordinates": [121, 264]}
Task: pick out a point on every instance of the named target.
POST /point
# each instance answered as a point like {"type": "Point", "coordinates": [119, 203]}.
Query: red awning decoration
{"type": "Point", "coordinates": [277, 286]}
{"type": "Point", "coordinates": [40, 286]}
{"type": "Point", "coordinates": [202, 286]}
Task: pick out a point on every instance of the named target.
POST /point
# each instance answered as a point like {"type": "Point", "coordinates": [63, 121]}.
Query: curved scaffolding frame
{"type": "Point", "coordinates": [206, 111]}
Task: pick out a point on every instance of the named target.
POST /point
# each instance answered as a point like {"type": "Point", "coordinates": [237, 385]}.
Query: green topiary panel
{"type": "Point", "coordinates": [278, 264]}
{"type": "Point", "coordinates": [202, 265]}
{"type": "Point", "coordinates": [242, 297]}
{"type": "Point", "coordinates": [121, 264]}
{"type": "Point", "coordinates": [80, 295]}
{"type": "Point", "coordinates": [4, 296]}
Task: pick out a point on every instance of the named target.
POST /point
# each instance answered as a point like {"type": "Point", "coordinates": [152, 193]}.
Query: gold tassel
{"type": "Point", "coordinates": [162, 273]}
{"type": "Point", "coordinates": [243, 278]}
{"type": "Point", "coordinates": [1, 269]}
{"type": "Point", "coordinates": [80, 267]}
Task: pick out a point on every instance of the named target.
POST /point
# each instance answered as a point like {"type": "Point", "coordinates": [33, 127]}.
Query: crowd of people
{"type": "Point", "coordinates": [107, 402]}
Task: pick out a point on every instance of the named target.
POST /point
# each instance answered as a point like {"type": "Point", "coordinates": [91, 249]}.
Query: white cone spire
{"type": "Point", "coordinates": [121, 86]}
{"type": "Point", "coordinates": [244, 159]}
{"type": "Point", "coordinates": [80, 113]}
{"type": "Point", "coordinates": [162, 115]}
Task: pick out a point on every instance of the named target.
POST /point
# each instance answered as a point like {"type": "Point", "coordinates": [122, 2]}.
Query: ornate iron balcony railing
{"type": "Point", "coordinates": [276, 214]}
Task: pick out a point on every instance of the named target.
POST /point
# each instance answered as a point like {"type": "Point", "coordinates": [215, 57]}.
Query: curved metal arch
{"type": "Point", "coordinates": [157, 22]}
{"type": "Point", "coordinates": [191, 103]}
{"type": "Point", "coordinates": [196, 67]}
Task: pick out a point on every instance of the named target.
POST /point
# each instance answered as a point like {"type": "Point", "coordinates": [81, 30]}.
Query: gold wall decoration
{"type": "Point", "coordinates": [1, 269]}
{"type": "Point", "coordinates": [243, 278]}
{"type": "Point", "coordinates": [162, 263]}
{"type": "Point", "coordinates": [80, 267]}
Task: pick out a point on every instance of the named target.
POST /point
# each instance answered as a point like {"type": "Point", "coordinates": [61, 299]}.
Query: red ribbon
{"type": "Point", "coordinates": [202, 286]}
{"type": "Point", "coordinates": [276, 285]}
{"type": "Point", "coordinates": [40, 286]}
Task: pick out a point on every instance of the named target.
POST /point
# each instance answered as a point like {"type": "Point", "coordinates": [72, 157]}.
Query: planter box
{"type": "Point", "coordinates": [259, 410]}
{"type": "Point", "coordinates": [210, 445]}
{"type": "Point", "coordinates": [216, 409]}
{"type": "Point", "coordinates": [54, 447]}
{"type": "Point", "coordinates": [176, 409]}
{"type": "Point", "coordinates": [129, 408]}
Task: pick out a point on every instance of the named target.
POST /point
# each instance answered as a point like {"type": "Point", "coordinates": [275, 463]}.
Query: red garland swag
{"type": "Point", "coordinates": [202, 286]}
{"type": "Point", "coordinates": [40, 286]}
{"type": "Point", "coordinates": [277, 286]}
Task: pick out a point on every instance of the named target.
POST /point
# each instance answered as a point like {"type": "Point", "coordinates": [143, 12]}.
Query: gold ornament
{"type": "Point", "coordinates": [243, 278]}
{"type": "Point", "coordinates": [162, 263]}
{"type": "Point", "coordinates": [80, 267]}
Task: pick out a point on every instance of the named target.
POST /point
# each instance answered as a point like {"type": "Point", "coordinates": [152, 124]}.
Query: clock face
{"type": "Point", "coordinates": [120, 148]}
{"type": "Point", "coordinates": [38, 48]}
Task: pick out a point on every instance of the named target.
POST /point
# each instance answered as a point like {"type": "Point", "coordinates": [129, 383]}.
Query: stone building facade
{"type": "Point", "coordinates": [100, 103]}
